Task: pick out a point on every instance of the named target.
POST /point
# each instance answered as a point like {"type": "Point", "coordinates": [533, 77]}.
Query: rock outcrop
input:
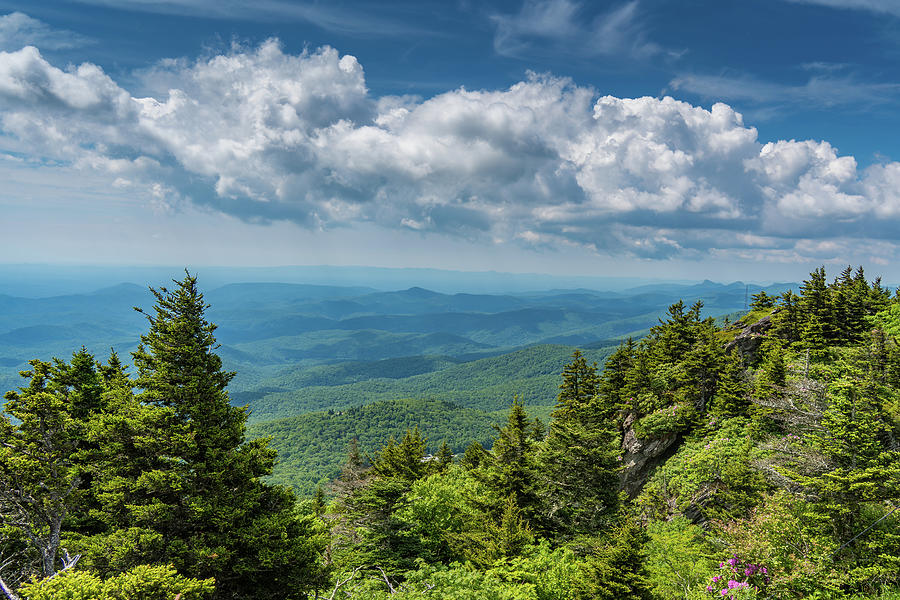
{"type": "Point", "coordinates": [750, 338]}
{"type": "Point", "coordinates": [641, 456]}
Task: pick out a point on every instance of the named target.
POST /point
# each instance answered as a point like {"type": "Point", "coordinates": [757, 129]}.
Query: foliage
{"type": "Point", "coordinates": [669, 420]}
{"type": "Point", "coordinates": [678, 558]}
{"type": "Point", "coordinates": [143, 582]}
{"type": "Point", "coordinates": [617, 568]}
{"type": "Point", "coordinates": [780, 465]}
{"type": "Point", "coordinates": [711, 475]}
{"type": "Point", "coordinates": [577, 460]}
{"type": "Point", "coordinates": [311, 447]}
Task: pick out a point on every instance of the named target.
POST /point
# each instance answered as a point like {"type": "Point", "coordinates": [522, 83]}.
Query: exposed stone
{"type": "Point", "coordinates": [641, 456]}
{"type": "Point", "coordinates": [750, 338]}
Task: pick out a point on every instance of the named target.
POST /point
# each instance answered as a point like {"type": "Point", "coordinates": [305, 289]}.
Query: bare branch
{"type": "Point", "coordinates": [342, 582]}
{"type": "Point", "coordinates": [6, 591]}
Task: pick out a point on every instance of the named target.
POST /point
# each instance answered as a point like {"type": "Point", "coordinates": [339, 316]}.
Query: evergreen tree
{"type": "Point", "coordinates": [403, 460]}
{"type": "Point", "coordinates": [474, 456]}
{"type": "Point", "coordinates": [179, 484]}
{"type": "Point", "coordinates": [612, 380]}
{"type": "Point", "coordinates": [511, 472]}
{"type": "Point", "coordinates": [580, 384]}
{"type": "Point", "coordinates": [367, 532]}
{"type": "Point", "coordinates": [701, 366]}
{"type": "Point", "coordinates": [762, 300]}
{"type": "Point", "coordinates": [772, 374]}
{"type": "Point", "coordinates": [732, 397]}
{"type": "Point", "coordinates": [786, 322]}
{"type": "Point", "coordinates": [443, 458]}
{"type": "Point", "coordinates": [815, 304]}
{"type": "Point", "coordinates": [862, 468]}
{"type": "Point", "coordinates": [617, 569]}
{"type": "Point", "coordinates": [675, 336]}
{"type": "Point", "coordinates": [578, 467]}
{"type": "Point", "coordinates": [40, 475]}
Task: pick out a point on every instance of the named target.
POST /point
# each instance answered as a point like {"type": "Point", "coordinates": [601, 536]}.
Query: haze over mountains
{"type": "Point", "coordinates": [302, 349]}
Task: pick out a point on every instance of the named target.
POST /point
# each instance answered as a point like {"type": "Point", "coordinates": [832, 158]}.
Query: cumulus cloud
{"type": "Point", "coordinates": [267, 136]}
{"type": "Point", "coordinates": [18, 29]}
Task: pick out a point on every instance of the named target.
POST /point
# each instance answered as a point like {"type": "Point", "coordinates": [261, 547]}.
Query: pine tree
{"type": "Point", "coordinates": [701, 367]}
{"type": "Point", "coordinates": [612, 380]}
{"type": "Point", "coordinates": [786, 323]}
{"type": "Point", "coordinates": [580, 384]}
{"type": "Point", "coordinates": [367, 533]}
{"type": "Point", "coordinates": [443, 458]}
{"type": "Point", "coordinates": [403, 460]}
{"type": "Point", "coordinates": [816, 306]}
{"type": "Point", "coordinates": [861, 464]}
{"type": "Point", "coordinates": [772, 375]}
{"type": "Point", "coordinates": [474, 456]}
{"type": "Point", "coordinates": [762, 300]}
{"type": "Point", "coordinates": [179, 483]}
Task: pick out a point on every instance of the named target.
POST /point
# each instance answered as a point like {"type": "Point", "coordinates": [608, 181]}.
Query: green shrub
{"type": "Point", "coordinates": [666, 421]}
{"type": "Point", "coordinates": [143, 582]}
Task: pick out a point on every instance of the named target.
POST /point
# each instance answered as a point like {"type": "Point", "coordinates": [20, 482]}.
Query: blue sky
{"type": "Point", "coordinates": [728, 140]}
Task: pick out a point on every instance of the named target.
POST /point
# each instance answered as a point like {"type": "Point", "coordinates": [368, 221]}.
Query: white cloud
{"type": "Point", "coordinates": [825, 89]}
{"type": "Point", "coordinates": [890, 7]}
{"type": "Point", "coordinates": [18, 29]}
{"type": "Point", "coordinates": [356, 20]}
{"type": "Point", "coordinates": [561, 27]}
{"type": "Point", "coordinates": [268, 136]}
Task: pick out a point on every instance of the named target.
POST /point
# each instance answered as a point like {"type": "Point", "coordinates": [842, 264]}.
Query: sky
{"type": "Point", "coordinates": [637, 138]}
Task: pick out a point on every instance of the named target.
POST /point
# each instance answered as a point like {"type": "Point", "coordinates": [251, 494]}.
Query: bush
{"type": "Point", "coordinates": [678, 558]}
{"type": "Point", "coordinates": [666, 421]}
{"type": "Point", "coordinates": [709, 476]}
{"type": "Point", "coordinates": [143, 582]}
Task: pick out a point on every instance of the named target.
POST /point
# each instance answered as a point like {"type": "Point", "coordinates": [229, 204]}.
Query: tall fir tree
{"type": "Point", "coordinates": [732, 394]}
{"type": "Point", "coordinates": [577, 461]}
{"type": "Point", "coordinates": [617, 569]}
{"type": "Point", "coordinates": [180, 484]}
{"type": "Point", "coordinates": [511, 470]}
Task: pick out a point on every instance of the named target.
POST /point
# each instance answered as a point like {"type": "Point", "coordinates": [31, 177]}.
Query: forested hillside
{"type": "Point", "coordinates": [485, 384]}
{"type": "Point", "coordinates": [275, 335]}
{"type": "Point", "coordinates": [311, 447]}
{"type": "Point", "coordinates": [755, 460]}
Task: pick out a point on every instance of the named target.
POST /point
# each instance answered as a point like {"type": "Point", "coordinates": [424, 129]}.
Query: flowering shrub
{"type": "Point", "coordinates": [783, 534]}
{"type": "Point", "coordinates": [738, 579]}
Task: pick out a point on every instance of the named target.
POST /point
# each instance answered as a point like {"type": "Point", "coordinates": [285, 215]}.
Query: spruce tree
{"type": "Point", "coordinates": [772, 375]}
{"type": "Point", "coordinates": [617, 569]}
{"type": "Point", "coordinates": [817, 328]}
{"type": "Point", "coordinates": [180, 485]}
{"type": "Point", "coordinates": [580, 384]}
{"type": "Point", "coordinates": [577, 461]}
{"type": "Point", "coordinates": [612, 380]}
{"type": "Point", "coordinates": [511, 472]}
{"type": "Point", "coordinates": [786, 322]}
{"type": "Point", "coordinates": [40, 474]}
{"type": "Point", "coordinates": [732, 397]}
